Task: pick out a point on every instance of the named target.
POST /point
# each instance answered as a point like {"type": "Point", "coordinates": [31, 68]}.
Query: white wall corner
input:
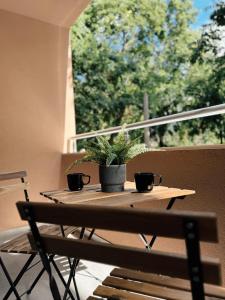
{"type": "Point", "coordinates": [70, 126]}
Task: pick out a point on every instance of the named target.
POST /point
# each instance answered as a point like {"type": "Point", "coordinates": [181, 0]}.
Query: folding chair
{"type": "Point", "coordinates": [149, 274]}
{"type": "Point", "coordinates": [20, 244]}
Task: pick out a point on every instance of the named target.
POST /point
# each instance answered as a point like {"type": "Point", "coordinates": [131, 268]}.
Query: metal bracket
{"type": "Point", "coordinates": [25, 191]}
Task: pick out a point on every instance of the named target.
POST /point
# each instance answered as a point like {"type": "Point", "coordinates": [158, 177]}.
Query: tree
{"type": "Point", "coordinates": [209, 88]}
{"type": "Point", "coordinates": [123, 49]}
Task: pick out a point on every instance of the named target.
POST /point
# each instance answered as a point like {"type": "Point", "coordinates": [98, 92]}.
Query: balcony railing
{"type": "Point", "coordinates": [179, 117]}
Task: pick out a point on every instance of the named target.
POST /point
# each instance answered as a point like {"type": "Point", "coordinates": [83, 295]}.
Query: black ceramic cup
{"type": "Point", "coordinates": [146, 181]}
{"type": "Point", "coordinates": [75, 181]}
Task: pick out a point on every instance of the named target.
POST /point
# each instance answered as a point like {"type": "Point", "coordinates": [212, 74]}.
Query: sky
{"type": "Point", "coordinates": [204, 8]}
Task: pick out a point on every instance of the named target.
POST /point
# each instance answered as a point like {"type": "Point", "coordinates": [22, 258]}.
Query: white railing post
{"type": "Point", "coordinates": [71, 145]}
{"type": "Point", "coordinates": [74, 145]}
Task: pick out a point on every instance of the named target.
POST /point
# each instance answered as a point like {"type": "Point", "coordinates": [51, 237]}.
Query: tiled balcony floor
{"type": "Point", "coordinates": [89, 275]}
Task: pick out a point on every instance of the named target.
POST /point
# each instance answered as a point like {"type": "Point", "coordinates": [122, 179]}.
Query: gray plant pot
{"type": "Point", "coordinates": [112, 178]}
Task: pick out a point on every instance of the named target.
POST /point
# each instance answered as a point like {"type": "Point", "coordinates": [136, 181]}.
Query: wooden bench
{"type": "Point", "coordinates": [20, 244]}
{"type": "Point", "coordinates": [142, 274]}
{"type": "Point", "coordinates": [122, 282]}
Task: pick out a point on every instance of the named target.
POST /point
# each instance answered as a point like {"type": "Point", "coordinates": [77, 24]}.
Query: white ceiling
{"type": "Point", "coordinates": [57, 12]}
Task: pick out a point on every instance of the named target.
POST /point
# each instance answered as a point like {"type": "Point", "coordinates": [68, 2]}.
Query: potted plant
{"type": "Point", "coordinates": [112, 158]}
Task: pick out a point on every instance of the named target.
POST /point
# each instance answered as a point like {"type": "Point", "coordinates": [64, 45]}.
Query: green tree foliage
{"type": "Point", "coordinates": [209, 87]}
{"type": "Point", "coordinates": [122, 49]}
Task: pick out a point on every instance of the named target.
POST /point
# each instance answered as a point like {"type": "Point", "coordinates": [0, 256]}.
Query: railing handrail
{"type": "Point", "coordinates": [179, 117]}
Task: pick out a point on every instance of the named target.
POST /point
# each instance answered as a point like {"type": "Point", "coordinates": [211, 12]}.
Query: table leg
{"type": "Point", "coordinates": [72, 271]}
{"type": "Point", "coordinates": [91, 234]}
{"type": "Point", "coordinates": [148, 245]}
{"type": "Point", "coordinates": [145, 241]}
{"type": "Point", "coordinates": [169, 206]}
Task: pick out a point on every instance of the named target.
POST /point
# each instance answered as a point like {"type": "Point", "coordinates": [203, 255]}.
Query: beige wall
{"type": "Point", "coordinates": [32, 96]}
{"type": "Point", "coordinates": [202, 170]}
{"type": "Point", "coordinates": [56, 12]}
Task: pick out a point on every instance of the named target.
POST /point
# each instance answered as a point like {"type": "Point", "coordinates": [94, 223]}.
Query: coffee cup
{"type": "Point", "coordinates": [145, 181]}
{"type": "Point", "coordinates": [76, 181]}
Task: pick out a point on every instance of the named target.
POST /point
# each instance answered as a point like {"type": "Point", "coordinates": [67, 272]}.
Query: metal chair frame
{"type": "Point", "coordinates": [27, 266]}
{"type": "Point", "coordinates": [78, 215]}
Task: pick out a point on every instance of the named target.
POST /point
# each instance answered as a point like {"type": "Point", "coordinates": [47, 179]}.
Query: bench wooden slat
{"type": "Point", "coordinates": [177, 283]}
{"type": "Point", "coordinates": [13, 187]}
{"type": "Point", "coordinates": [174, 265]}
{"type": "Point", "coordinates": [114, 294]}
{"type": "Point", "coordinates": [149, 278]}
{"type": "Point", "coordinates": [71, 230]}
{"type": "Point", "coordinates": [52, 230]}
{"type": "Point", "coordinates": [7, 246]}
{"type": "Point", "coordinates": [21, 244]}
{"type": "Point", "coordinates": [95, 298]}
{"type": "Point", "coordinates": [156, 222]}
{"type": "Point", "coordinates": [12, 175]}
{"type": "Point", "coordinates": [18, 244]}
{"type": "Point", "coordinates": [147, 289]}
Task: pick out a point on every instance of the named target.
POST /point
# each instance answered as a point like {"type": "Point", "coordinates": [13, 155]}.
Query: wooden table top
{"type": "Point", "coordinates": [91, 194]}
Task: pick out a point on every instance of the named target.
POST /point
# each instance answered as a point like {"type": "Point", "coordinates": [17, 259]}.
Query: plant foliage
{"type": "Point", "coordinates": [115, 152]}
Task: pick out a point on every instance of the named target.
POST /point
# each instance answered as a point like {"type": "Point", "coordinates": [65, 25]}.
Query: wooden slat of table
{"type": "Point", "coordinates": [92, 195]}
{"type": "Point", "coordinates": [128, 198]}
{"type": "Point", "coordinates": [96, 193]}
{"type": "Point", "coordinates": [66, 192]}
{"type": "Point", "coordinates": [135, 198]}
{"type": "Point", "coordinates": [89, 192]}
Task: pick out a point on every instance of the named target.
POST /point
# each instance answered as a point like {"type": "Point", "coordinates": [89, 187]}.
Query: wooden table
{"type": "Point", "coordinates": [92, 195]}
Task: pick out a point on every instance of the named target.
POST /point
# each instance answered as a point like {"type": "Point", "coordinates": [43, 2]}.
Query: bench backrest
{"type": "Point", "coordinates": [193, 227]}
{"type": "Point", "coordinates": [11, 176]}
